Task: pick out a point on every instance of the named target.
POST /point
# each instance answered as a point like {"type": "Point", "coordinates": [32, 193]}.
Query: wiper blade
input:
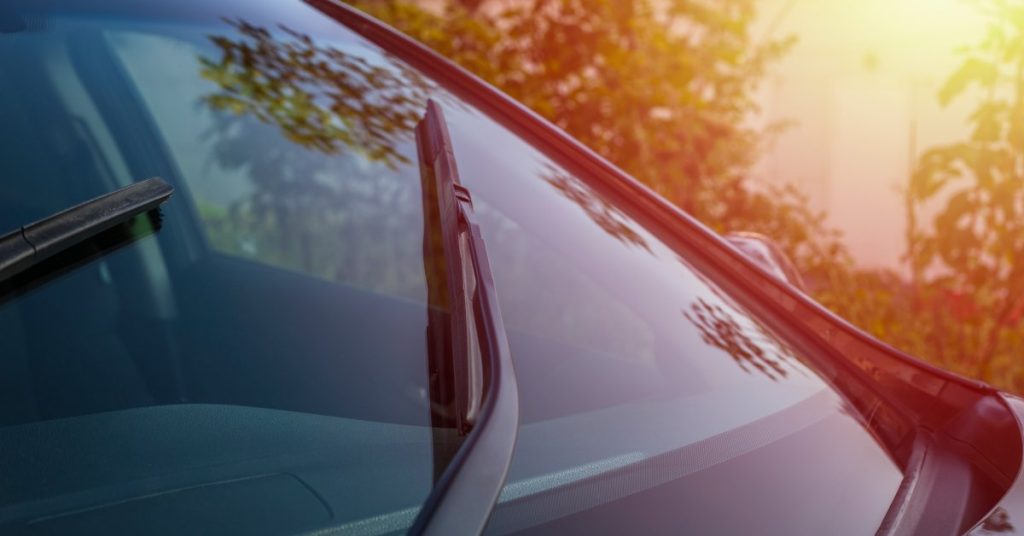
{"type": "Point", "coordinates": [26, 246]}
{"type": "Point", "coordinates": [476, 383]}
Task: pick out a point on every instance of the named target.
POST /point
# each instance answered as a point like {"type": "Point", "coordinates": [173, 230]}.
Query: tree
{"type": "Point", "coordinates": [975, 245]}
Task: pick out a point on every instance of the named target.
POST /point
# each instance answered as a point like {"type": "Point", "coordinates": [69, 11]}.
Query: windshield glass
{"type": "Point", "coordinates": [652, 400]}
{"type": "Point", "coordinates": [256, 359]}
{"type": "Point", "coordinates": [264, 338]}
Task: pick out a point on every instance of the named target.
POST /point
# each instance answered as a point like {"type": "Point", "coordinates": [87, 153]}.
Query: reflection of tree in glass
{"type": "Point", "coordinates": [719, 329]}
{"type": "Point", "coordinates": [321, 97]}
{"type": "Point", "coordinates": [340, 151]}
{"type": "Point", "coordinates": [606, 215]}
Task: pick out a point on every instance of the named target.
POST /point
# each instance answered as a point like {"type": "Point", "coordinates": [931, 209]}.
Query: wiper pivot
{"type": "Point", "coordinates": [24, 247]}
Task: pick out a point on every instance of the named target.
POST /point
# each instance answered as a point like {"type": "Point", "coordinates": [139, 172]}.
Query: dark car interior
{"type": "Point", "coordinates": [138, 369]}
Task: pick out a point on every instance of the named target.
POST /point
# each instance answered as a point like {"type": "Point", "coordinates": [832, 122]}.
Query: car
{"type": "Point", "coordinates": [275, 268]}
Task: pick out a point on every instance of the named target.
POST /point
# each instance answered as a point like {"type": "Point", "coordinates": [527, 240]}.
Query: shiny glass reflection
{"type": "Point", "coordinates": [643, 383]}
{"type": "Point", "coordinates": [274, 324]}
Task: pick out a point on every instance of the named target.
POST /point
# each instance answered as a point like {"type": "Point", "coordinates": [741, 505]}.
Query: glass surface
{"type": "Point", "coordinates": [651, 401]}
{"type": "Point", "coordinates": [271, 321]}
{"type": "Point", "coordinates": [262, 347]}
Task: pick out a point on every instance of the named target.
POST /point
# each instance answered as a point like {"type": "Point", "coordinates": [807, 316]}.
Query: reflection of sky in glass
{"type": "Point", "coordinates": [269, 184]}
{"type": "Point", "coordinates": [167, 68]}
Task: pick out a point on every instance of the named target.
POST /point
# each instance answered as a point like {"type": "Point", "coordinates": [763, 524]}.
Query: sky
{"type": "Point", "coordinates": [860, 90]}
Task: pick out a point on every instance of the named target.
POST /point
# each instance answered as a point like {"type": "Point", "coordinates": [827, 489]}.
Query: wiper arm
{"type": "Point", "coordinates": [25, 247]}
{"type": "Point", "coordinates": [477, 383]}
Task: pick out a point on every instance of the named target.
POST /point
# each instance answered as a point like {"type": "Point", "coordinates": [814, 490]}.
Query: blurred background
{"type": "Point", "coordinates": [880, 143]}
{"type": "Point", "coordinates": [859, 89]}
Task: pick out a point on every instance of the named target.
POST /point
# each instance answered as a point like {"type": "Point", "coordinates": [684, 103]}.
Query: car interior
{"type": "Point", "coordinates": [139, 369]}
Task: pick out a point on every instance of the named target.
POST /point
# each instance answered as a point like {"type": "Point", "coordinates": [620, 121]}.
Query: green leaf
{"type": "Point", "coordinates": [972, 70]}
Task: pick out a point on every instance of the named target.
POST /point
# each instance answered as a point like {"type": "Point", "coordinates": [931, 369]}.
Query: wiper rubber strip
{"type": "Point", "coordinates": [22, 248]}
{"type": "Point", "coordinates": [486, 394]}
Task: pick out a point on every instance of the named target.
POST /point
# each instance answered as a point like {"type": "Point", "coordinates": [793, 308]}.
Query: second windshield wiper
{"type": "Point", "coordinates": [29, 245]}
{"type": "Point", "coordinates": [473, 388]}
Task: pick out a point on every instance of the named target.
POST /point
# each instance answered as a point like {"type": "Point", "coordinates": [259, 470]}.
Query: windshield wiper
{"type": "Point", "coordinates": [26, 246]}
{"type": "Point", "coordinates": [473, 387]}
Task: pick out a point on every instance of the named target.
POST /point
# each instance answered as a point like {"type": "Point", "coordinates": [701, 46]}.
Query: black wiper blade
{"type": "Point", "coordinates": [479, 386]}
{"type": "Point", "coordinates": [24, 247]}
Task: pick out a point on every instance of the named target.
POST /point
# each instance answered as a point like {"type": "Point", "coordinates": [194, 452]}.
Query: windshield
{"type": "Point", "coordinates": [257, 358]}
